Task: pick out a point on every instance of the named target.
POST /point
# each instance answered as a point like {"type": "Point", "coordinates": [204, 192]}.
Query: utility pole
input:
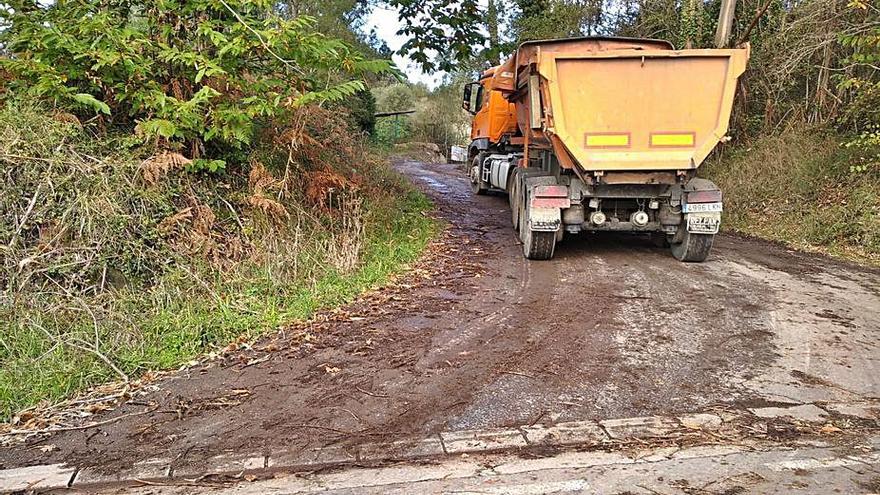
{"type": "Point", "coordinates": [492, 27]}
{"type": "Point", "coordinates": [725, 23]}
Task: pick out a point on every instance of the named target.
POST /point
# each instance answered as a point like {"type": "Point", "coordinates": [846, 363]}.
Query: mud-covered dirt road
{"type": "Point", "coordinates": [475, 337]}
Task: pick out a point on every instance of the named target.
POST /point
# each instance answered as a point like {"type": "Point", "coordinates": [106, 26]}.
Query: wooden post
{"type": "Point", "coordinates": [725, 23]}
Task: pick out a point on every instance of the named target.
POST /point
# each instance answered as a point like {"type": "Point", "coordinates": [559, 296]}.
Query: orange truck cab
{"type": "Point", "coordinates": [604, 134]}
{"type": "Point", "coordinates": [494, 116]}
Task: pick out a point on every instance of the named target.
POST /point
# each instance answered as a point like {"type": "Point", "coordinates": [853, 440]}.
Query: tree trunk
{"type": "Point", "coordinates": [820, 109]}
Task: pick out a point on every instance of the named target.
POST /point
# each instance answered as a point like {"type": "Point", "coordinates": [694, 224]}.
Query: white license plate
{"type": "Point", "coordinates": [701, 207]}
{"type": "Point", "coordinates": [703, 223]}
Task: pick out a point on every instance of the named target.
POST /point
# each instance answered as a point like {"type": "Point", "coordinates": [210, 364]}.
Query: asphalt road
{"type": "Point", "coordinates": [477, 337]}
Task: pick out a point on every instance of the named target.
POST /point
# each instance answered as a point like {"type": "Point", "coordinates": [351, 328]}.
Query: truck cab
{"type": "Point", "coordinates": [494, 117]}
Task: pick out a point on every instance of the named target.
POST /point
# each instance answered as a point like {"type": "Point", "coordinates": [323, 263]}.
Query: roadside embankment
{"type": "Point", "coordinates": [805, 189]}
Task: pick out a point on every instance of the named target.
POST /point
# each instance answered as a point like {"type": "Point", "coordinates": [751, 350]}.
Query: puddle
{"type": "Point", "coordinates": [435, 184]}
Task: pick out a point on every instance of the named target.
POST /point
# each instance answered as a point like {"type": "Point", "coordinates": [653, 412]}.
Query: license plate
{"type": "Point", "coordinates": [703, 223]}
{"type": "Point", "coordinates": [701, 207]}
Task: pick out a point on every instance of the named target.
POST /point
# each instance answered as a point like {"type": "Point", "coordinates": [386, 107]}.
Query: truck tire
{"type": "Point", "coordinates": [538, 245]}
{"type": "Point", "coordinates": [513, 198]}
{"type": "Point", "coordinates": [693, 247]}
{"type": "Point", "coordinates": [478, 186]}
{"type": "Point", "coordinates": [660, 239]}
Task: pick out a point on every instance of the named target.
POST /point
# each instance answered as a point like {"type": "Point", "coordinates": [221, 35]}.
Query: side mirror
{"type": "Point", "coordinates": [471, 98]}
{"type": "Point", "coordinates": [466, 99]}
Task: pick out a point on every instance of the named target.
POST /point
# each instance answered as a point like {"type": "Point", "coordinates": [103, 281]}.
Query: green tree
{"type": "Point", "coordinates": [861, 67]}
{"type": "Point", "coordinates": [342, 19]}
{"type": "Point", "coordinates": [441, 32]}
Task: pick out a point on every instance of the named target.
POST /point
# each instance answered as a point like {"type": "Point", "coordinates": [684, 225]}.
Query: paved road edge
{"type": "Point", "coordinates": [605, 435]}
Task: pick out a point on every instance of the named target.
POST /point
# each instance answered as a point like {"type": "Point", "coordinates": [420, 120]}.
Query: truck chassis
{"type": "Point", "coordinates": [549, 202]}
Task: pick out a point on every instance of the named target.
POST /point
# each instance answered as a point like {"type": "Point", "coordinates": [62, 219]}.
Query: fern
{"type": "Point", "coordinates": [182, 71]}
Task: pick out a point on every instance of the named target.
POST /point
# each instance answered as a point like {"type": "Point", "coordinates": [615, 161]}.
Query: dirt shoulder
{"type": "Point", "coordinates": [476, 337]}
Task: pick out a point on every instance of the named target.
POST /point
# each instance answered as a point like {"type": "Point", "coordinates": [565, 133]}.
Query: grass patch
{"type": "Point", "coordinates": [95, 285]}
{"type": "Point", "coordinates": [799, 188]}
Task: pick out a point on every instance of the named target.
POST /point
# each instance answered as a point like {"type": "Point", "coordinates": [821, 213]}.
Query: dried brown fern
{"type": "Point", "coordinates": [203, 220]}
{"type": "Point", "coordinates": [157, 166]}
{"type": "Point", "coordinates": [272, 209]}
{"type": "Point", "coordinates": [172, 222]}
{"type": "Point", "coordinates": [322, 185]}
{"type": "Point", "coordinates": [261, 180]}
{"type": "Point", "coordinates": [67, 118]}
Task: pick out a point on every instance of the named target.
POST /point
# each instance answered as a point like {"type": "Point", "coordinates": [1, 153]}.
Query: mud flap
{"type": "Point", "coordinates": [545, 207]}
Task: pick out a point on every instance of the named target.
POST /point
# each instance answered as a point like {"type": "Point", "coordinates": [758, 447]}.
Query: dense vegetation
{"type": "Point", "coordinates": [438, 116]}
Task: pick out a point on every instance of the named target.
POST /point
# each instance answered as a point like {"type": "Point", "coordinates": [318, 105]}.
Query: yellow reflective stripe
{"type": "Point", "coordinates": [672, 139]}
{"type": "Point", "coordinates": [601, 140]}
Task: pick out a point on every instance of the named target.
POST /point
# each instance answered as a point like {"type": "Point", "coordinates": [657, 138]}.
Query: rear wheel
{"type": "Point", "coordinates": [537, 245]}
{"type": "Point", "coordinates": [693, 247]}
{"type": "Point", "coordinates": [513, 198]}
{"type": "Point", "coordinates": [478, 186]}
{"type": "Point", "coordinates": [660, 239]}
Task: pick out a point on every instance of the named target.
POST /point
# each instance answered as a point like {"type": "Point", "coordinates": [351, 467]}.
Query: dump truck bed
{"type": "Point", "coordinates": [641, 109]}
{"type": "Point", "coordinates": [624, 105]}
{"type": "Point", "coordinates": [605, 135]}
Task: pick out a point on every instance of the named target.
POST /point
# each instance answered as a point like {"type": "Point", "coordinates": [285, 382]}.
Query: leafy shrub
{"type": "Point", "coordinates": [860, 81]}
{"type": "Point", "coordinates": [867, 145]}
{"type": "Point", "coordinates": [191, 73]}
{"type": "Point", "coordinates": [802, 187]}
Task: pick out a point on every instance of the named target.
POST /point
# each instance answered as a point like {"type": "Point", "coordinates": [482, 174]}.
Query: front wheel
{"type": "Point", "coordinates": [693, 247]}
{"type": "Point", "coordinates": [478, 186]}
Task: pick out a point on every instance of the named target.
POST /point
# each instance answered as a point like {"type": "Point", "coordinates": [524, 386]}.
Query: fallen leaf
{"type": "Point", "coordinates": [829, 428]}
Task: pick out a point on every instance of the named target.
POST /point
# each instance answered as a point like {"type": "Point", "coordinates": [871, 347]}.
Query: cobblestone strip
{"type": "Point", "coordinates": [580, 433]}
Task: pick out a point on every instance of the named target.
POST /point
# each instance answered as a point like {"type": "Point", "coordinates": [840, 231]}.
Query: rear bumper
{"type": "Point", "coordinates": [612, 226]}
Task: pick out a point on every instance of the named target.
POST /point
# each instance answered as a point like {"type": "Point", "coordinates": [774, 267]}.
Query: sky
{"type": "Point", "coordinates": [385, 21]}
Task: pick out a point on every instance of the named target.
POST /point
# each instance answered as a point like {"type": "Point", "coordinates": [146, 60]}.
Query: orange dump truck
{"type": "Point", "coordinates": [604, 134]}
